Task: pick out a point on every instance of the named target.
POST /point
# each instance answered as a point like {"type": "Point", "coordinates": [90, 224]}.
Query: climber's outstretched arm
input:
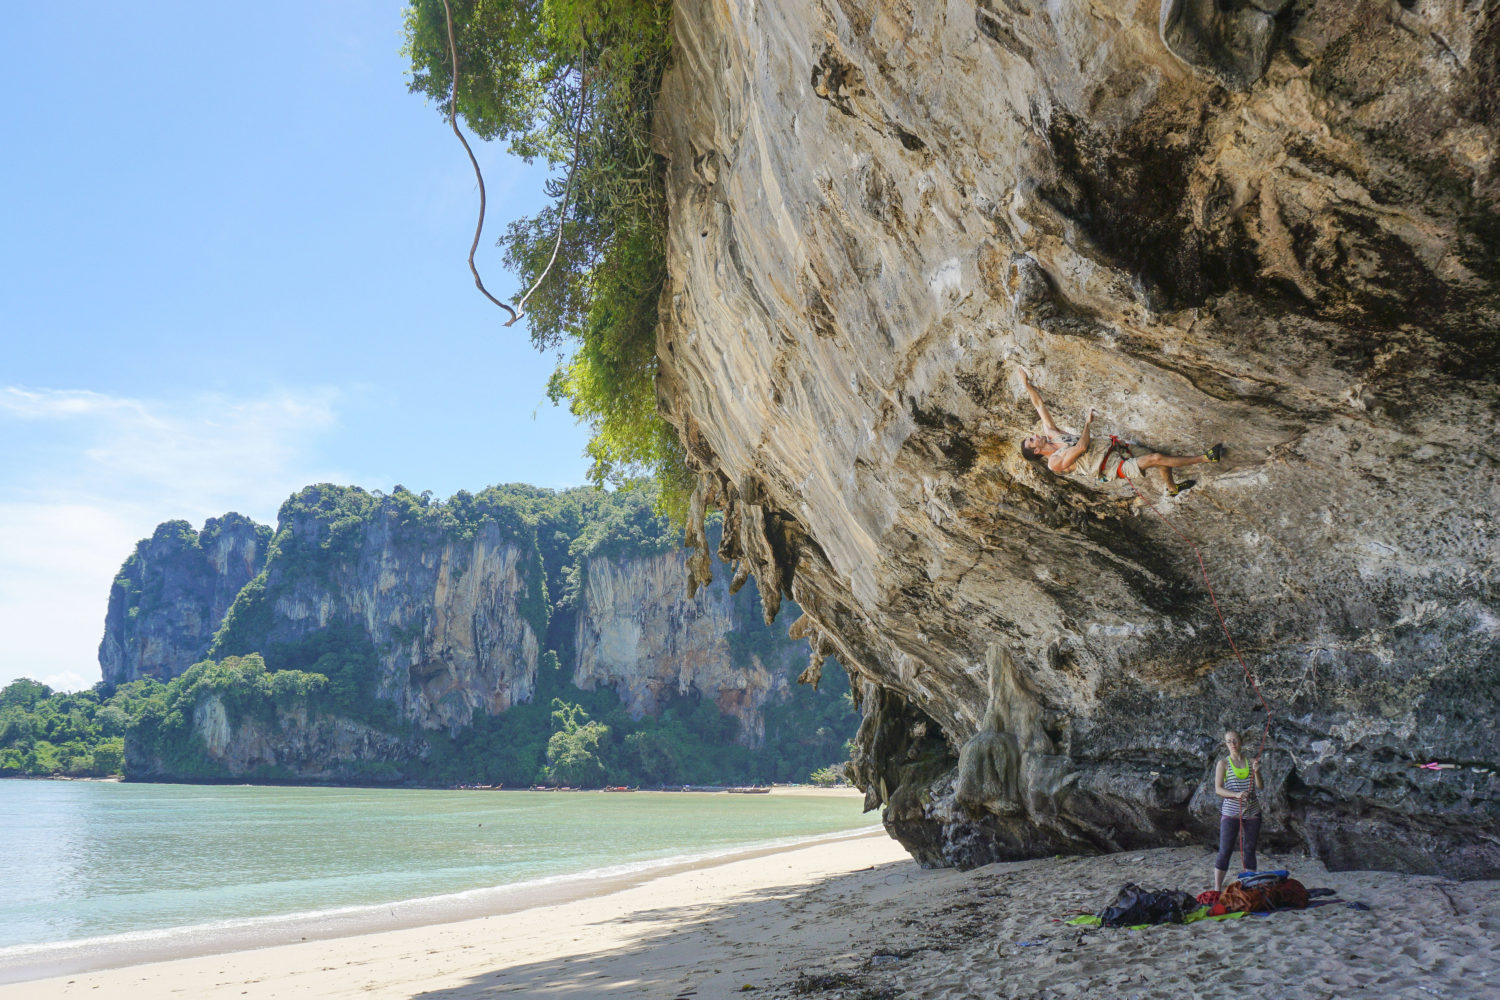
{"type": "Point", "coordinates": [1041, 408]}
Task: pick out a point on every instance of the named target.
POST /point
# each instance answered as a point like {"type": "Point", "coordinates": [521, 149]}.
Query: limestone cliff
{"type": "Point", "coordinates": [409, 624]}
{"type": "Point", "coordinates": [454, 617]}
{"type": "Point", "coordinates": [172, 592]}
{"type": "Point", "coordinates": [1271, 223]}
{"type": "Point", "coordinates": [642, 634]}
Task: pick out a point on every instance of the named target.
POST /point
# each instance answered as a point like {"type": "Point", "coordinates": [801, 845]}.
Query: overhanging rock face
{"type": "Point", "coordinates": [1270, 224]}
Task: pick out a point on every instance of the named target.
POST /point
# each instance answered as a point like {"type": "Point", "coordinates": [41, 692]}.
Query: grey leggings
{"type": "Point", "coordinates": [1229, 829]}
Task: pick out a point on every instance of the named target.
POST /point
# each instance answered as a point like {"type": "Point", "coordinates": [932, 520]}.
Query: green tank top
{"type": "Point", "coordinates": [1237, 780]}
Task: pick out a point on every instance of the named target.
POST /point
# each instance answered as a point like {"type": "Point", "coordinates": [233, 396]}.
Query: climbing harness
{"type": "Point", "coordinates": [1115, 445]}
{"type": "Point", "coordinates": [1249, 674]}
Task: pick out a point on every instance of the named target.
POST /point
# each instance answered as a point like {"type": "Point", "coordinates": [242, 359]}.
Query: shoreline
{"type": "Point", "coordinates": [406, 961]}
{"type": "Point", "coordinates": [22, 964]}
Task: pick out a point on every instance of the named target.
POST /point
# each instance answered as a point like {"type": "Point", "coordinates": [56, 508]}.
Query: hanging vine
{"type": "Point", "coordinates": [518, 310]}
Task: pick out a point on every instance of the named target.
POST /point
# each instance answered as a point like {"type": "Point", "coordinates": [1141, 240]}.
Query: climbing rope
{"type": "Point", "coordinates": [1249, 674]}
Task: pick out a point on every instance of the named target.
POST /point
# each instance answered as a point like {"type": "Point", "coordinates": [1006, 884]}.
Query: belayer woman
{"type": "Point", "coordinates": [1237, 781]}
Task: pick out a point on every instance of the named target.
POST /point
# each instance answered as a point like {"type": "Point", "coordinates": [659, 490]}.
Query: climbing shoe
{"type": "Point", "coordinates": [1186, 484]}
{"type": "Point", "coordinates": [1215, 453]}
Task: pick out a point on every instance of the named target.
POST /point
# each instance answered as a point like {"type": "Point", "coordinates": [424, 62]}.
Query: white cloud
{"type": "Point", "coordinates": [89, 475]}
{"type": "Point", "coordinates": [44, 404]}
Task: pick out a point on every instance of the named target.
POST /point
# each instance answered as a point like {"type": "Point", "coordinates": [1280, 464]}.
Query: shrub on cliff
{"type": "Point", "coordinates": [573, 747]}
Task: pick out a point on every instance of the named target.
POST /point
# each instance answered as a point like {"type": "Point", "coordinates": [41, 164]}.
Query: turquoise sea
{"type": "Point", "coordinates": [101, 864]}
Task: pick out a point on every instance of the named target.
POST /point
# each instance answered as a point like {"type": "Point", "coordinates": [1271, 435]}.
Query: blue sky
{"type": "Point", "coordinates": [232, 263]}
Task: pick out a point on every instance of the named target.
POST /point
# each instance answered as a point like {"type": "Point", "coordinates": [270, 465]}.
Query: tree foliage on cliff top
{"type": "Point", "coordinates": [576, 82]}
{"type": "Point", "coordinates": [164, 717]}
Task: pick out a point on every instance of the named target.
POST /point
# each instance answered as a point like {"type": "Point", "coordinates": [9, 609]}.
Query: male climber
{"type": "Point", "coordinates": [1103, 460]}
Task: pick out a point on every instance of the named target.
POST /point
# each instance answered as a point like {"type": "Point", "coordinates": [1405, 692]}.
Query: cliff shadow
{"type": "Point", "coordinates": [998, 931]}
{"type": "Point", "coordinates": [703, 949]}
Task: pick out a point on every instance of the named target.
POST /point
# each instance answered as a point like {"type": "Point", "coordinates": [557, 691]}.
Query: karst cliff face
{"type": "Point", "coordinates": [448, 618]}
{"type": "Point", "coordinates": [455, 619]}
{"type": "Point", "coordinates": [172, 592]}
{"type": "Point", "coordinates": [642, 634]}
{"type": "Point", "coordinates": [1272, 224]}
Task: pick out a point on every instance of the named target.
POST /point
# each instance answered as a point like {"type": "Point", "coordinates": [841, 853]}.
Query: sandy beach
{"type": "Point", "coordinates": [854, 917]}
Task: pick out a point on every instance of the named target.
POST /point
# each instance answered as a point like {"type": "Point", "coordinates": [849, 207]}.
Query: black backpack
{"type": "Point", "coordinates": [1135, 905]}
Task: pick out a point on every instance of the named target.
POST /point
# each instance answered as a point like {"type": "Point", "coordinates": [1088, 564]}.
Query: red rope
{"type": "Point", "coordinates": [1249, 674]}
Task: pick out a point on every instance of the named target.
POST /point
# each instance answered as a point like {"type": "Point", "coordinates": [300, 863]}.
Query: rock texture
{"type": "Point", "coordinates": [1269, 223]}
{"type": "Point", "coordinates": [642, 634]}
{"type": "Point", "coordinates": [172, 592]}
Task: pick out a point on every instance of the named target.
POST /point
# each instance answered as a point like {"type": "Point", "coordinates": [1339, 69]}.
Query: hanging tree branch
{"type": "Point", "coordinates": [519, 310]}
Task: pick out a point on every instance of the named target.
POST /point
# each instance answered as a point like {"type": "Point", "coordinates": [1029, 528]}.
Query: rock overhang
{"type": "Point", "coordinates": [1284, 238]}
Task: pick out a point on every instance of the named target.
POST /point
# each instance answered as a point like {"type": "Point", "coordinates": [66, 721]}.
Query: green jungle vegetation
{"type": "Point", "coordinates": [263, 674]}
{"type": "Point", "coordinates": [80, 735]}
{"type": "Point", "coordinates": [575, 82]}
